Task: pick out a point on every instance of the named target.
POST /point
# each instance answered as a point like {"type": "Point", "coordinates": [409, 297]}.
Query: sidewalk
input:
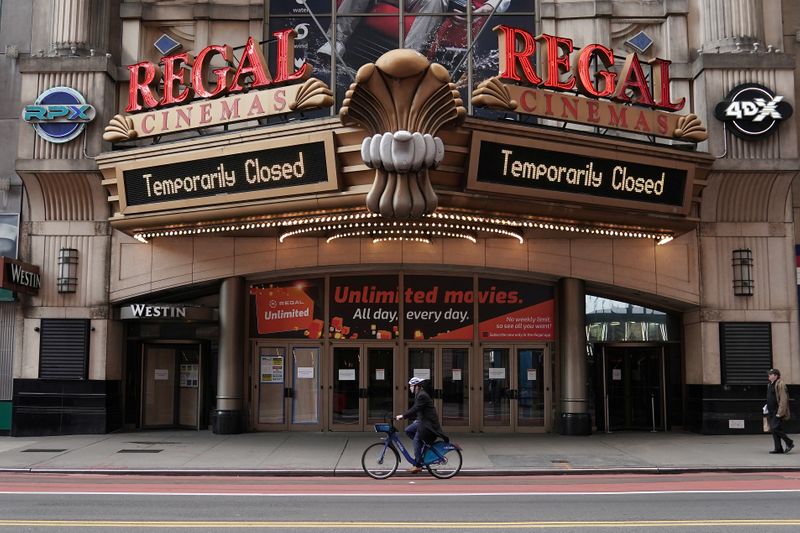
{"type": "Point", "coordinates": [339, 454]}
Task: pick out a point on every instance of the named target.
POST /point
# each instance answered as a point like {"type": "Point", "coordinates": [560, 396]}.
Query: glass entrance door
{"type": "Point", "coordinates": [515, 386]}
{"type": "Point", "coordinates": [634, 388]}
{"type": "Point", "coordinates": [286, 387]}
{"type": "Point", "coordinates": [362, 386]}
{"type": "Point", "coordinates": [447, 369]}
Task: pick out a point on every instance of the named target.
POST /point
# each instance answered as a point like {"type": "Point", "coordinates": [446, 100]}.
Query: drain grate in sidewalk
{"type": "Point", "coordinates": [140, 451]}
{"type": "Point", "coordinates": [45, 450]}
{"type": "Point", "coordinates": [150, 442]}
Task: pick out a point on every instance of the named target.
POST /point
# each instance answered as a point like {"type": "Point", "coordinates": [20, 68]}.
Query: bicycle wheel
{"type": "Point", "coordinates": [447, 467]}
{"type": "Point", "coordinates": [379, 464]}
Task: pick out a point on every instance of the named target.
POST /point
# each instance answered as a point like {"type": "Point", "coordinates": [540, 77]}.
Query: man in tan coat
{"type": "Point", "coordinates": [778, 410]}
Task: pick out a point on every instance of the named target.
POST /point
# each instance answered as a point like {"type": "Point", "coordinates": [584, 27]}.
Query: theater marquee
{"type": "Point", "coordinates": [231, 173]}
{"type": "Point", "coordinates": [546, 170]}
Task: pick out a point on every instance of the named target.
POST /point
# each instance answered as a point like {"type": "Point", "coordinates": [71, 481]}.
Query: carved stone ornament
{"type": "Point", "coordinates": [402, 100]}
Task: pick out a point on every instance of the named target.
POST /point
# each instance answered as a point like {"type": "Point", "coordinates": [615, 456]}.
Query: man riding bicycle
{"type": "Point", "coordinates": [426, 427]}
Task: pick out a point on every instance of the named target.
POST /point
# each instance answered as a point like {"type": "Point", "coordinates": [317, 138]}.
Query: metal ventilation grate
{"type": "Point", "coordinates": [746, 352]}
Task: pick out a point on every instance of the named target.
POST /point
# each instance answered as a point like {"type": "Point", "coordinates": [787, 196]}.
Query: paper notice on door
{"type": "Point", "coordinates": [456, 374]}
{"type": "Point", "coordinates": [616, 374]}
{"type": "Point", "coordinates": [380, 374]}
{"type": "Point", "coordinates": [271, 369]}
{"type": "Point", "coordinates": [497, 373]}
{"type": "Point", "coordinates": [531, 374]}
{"type": "Point", "coordinates": [347, 374]}
{"type": "Point", "coordinates": [161, 374]}
{"type": "Point", "coordinates": [305, 372]}
{"type": "Point", "coordinates": [422, 373]}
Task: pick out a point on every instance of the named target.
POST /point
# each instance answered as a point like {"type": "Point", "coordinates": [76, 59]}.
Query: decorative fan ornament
{"type": "Point", "coordinates": [690, 128]}
{"type": "Point", "coordinates": [120, 128]}
{"type": "Point", "coordinates": [494, 94]}
{"type": "Point", "coordinates": [402, 100]}
{"type": "Point", "coordinates": [313, 94]}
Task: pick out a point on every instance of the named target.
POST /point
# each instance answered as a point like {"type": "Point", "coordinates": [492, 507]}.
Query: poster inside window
{"type": "Point", "coordinates": [360, 31]}
{"type": "Point", "coordinates": [289, 309]}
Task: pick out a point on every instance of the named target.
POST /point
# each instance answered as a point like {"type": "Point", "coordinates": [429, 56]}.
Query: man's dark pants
{"type": "Point", "coordinates": [778, 434]}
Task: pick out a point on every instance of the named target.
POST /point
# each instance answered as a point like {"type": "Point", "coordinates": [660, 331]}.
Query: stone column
{"type": "Point", "coordinates": [70, 28]}
{"type": "Point", "coordinates": [228, 417]}
{"type": "Point", "coordinates": [575, 418]}
{"type": "Point", "coordinates": [729, 25]}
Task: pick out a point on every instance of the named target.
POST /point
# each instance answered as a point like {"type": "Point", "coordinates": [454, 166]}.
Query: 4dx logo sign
{"type": "Point", "coordinates": [59, 114]}
{"type": "Point", "coordinates": [753, 111]}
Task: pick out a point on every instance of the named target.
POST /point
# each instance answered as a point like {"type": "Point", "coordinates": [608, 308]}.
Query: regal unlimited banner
{"type": "Point", "coordinates": [509, 310]}
{"type": "Point", "coordinates": [364, 307]}
{"type": "Point", "coordinates": [438, 307]}
{"type": "Point", "coordinates": [291, 309]}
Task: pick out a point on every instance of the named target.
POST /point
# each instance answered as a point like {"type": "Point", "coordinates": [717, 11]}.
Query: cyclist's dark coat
{"type": "Point", "coordinates": [425, 412]}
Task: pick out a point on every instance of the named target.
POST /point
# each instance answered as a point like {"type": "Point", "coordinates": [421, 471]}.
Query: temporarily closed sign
{"type": "Point", "coordinates": [261, 170]}
{"type": "Point", "coordinates": [547, 170]}
{"type": "Point", "coordinates": [570, 173]}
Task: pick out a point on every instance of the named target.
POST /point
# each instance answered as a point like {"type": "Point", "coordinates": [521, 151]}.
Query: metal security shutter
{"type": "Point", "coordinates": [746, 352]}
{"type": "Point", "coordinates": [64, 349]}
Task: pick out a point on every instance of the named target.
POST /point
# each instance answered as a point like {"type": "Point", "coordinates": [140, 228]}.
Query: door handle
{"type": "Point", "coordinates": [287, 392]}
{"type": "Point", "coordinates": [437, 393]}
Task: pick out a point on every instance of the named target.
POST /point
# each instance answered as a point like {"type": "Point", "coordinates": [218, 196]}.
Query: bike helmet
{"type": "Point", "coordinates": [415, 381]}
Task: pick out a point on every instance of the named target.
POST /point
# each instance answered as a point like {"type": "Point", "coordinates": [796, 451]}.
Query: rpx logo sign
{"type": "Point", "coordinates": [59, 114]}
{"type": "Point", "coordinates": [66, 113]}
{"type": "Point", "coordinates": [753, 111]}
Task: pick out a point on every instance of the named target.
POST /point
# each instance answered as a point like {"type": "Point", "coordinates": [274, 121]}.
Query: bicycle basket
{"type": "Point", "coordinates": [383, 428]}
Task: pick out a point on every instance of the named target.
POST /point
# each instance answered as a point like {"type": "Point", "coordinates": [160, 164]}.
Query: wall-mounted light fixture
{"type": "Point", "coordinates": [743, 272]}
{"type": "Point", "coordinates": [67, 270]}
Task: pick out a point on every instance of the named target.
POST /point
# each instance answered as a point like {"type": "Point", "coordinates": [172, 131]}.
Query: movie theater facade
{"type": "Point", "coordinates": [540, 230]}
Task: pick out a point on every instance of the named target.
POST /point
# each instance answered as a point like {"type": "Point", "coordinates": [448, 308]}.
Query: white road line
{"type": "Point", "coordinates": [394, 495]}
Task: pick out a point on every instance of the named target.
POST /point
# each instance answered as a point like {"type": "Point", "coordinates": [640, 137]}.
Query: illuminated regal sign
{"type": "Point", "coordinates": [632, 105]}
{"type": "Point", "coordinates": [184, 81]}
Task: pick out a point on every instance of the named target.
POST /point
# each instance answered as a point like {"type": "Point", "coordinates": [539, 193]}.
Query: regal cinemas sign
{"type": "Point", "coordinates": [194, 94]}
{"type": "Point", "coordinates": [570, 88]}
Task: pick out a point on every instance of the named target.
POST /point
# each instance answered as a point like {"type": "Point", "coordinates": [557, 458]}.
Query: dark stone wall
{"type": "Point", "coordinates": [709, 407]}
{"type": "Point", "coordinates": [55, 407]}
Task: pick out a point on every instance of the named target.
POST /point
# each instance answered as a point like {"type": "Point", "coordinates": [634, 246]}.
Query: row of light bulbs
{"type": "Point", "coordinates": [360, 221]}
{"type": "Point", "coordinates": [381, 235]}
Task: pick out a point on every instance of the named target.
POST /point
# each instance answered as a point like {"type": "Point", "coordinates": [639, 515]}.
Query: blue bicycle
{"type": "Point", "coordinates": [380, 460]}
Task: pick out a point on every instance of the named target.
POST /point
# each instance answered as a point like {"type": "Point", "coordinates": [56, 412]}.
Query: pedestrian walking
{"type": "Point", "coordinates": [778, 411]}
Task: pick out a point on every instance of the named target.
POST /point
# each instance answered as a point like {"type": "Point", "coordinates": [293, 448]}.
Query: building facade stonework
{"type": "Point", "coordinates": [277, 229]}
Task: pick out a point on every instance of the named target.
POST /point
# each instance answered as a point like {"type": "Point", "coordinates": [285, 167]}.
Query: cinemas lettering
{"type": "Point", "coordinates": [279, 170]}
{"type": "Point", "coordinates": [592, 179]}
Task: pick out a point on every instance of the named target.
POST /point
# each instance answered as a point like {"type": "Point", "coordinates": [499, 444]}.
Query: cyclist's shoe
{"type": "Point", "coordinates": [414, 470]}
